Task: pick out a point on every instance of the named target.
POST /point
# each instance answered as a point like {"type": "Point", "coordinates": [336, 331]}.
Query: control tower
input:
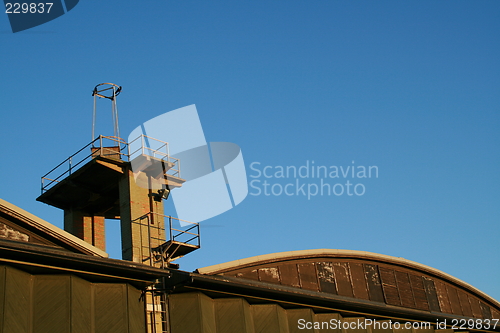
{"type": "Point", "coordinates": [111, 178]}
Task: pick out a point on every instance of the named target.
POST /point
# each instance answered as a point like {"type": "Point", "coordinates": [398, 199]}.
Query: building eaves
{"type": "Point", "coordinates": [291, 297]}
{"type": "Point", "coordinates": [37, 259]}
{"type": "Point", "coordinates": [49, 230]}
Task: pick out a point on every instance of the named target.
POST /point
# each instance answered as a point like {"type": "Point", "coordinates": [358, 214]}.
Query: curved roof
{"type": "Point", "coordinates": [400, 281]}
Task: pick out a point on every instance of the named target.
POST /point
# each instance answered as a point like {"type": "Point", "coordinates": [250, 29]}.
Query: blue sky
{"type": "Point", "coordinates": [410, 87]}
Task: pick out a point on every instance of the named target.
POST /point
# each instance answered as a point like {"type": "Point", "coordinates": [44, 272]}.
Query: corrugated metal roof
{"type": "Point", "coordinates": [364, 275]}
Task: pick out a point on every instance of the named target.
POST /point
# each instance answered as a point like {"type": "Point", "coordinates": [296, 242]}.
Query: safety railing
{"type": "Point", "coordinates": [145, 145]}
{"type": "Point", "coordinates": [163, 236]}
{"type": "Point", "coordinates": [190, 234]}
{"type": "Point", "coordinates": [113, 148]}
{"type": "Point", "coordinates": [178, 230]}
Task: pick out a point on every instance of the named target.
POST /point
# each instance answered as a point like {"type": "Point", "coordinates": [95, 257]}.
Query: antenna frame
{"type": "Point", "coordinates": [116, 90]}
{"type": "Point", "coordinates": [97, 92]}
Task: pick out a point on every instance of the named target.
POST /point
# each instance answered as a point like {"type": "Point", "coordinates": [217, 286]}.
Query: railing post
{"type": "Point", "coordinates": [170, 227]}
{"type": "Point", "coordinates": [142, 143]}
{"type": "Point", "coordinates": [70, 162]}
{"type": "Point", "coordinates": [128, 151]}
{"type": "Point", "coordinates": [149, 219]}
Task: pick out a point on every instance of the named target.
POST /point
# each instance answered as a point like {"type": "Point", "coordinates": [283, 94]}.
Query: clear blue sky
{"type": "Point", "coordinates": [411, 87]}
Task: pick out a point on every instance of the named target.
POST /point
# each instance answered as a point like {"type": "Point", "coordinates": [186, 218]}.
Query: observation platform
{"type": "Point", "coordinates": [89, 180]}
{"type": "Point", "coordinates": [175, 237]}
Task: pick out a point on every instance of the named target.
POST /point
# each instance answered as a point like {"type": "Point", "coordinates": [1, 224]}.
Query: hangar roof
{"type": "Point", "coordinates": [365, 276]}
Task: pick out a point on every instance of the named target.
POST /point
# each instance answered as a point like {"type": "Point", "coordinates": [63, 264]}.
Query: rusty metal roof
{"type": "Point", "coordinates": [365, 276]}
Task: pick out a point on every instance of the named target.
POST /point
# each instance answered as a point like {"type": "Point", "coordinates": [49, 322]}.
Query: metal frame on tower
{"type": "Point", "coordinates": [108, 91]}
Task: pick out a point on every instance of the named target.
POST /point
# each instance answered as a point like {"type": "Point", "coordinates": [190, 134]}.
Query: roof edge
{"type": "Point", "coordinates": [280, 256]}
{"type": "Point", "coordinates": [50, 229]}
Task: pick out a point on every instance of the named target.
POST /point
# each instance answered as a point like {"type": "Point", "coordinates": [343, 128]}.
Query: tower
{"type": "Point", "coordinates": [111, 178]}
